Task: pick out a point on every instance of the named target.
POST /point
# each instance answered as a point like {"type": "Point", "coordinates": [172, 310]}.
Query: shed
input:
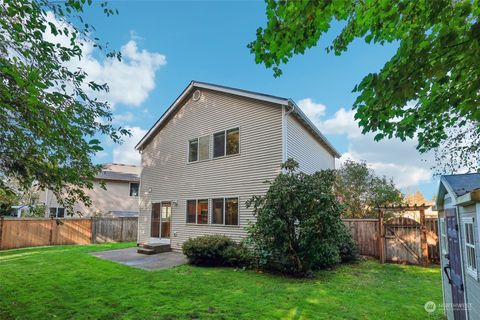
{"type": "Point", "coordinates": [458, 206]}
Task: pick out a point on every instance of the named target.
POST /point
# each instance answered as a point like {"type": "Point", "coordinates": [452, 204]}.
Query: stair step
{"type": "Point", "coordinates": [153, 248]}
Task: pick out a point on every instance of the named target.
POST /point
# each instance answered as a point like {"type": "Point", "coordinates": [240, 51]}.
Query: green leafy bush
{"type": "Point", "coordinates": [298, 228]}
{"type": "Point", "coordinates": [217, 250]}
{"type": "Point", "coordinates": [348, 247]}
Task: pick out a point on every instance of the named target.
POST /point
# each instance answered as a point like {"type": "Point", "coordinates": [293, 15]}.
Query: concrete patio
{"type": "Point", "coordinates": [130, 257]}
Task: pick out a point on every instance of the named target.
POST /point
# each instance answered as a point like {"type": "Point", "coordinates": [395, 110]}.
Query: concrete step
{"type": "Point", "coordinates": [154, 248]}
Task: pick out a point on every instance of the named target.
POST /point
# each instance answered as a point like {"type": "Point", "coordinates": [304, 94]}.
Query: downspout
{"type": "Point", "coordinates": [285, 131]}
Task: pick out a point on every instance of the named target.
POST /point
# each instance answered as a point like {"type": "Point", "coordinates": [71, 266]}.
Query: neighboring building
{"type": "Point", "coordinates": [120, 199]}
{"type": "Point", "coordinates": [458, 205]}
{"type": "Point", "coordinates": [211, 151]}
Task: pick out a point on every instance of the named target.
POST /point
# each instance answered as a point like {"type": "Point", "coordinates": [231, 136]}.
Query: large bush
{"type": "Point", "coordinates": [217, 250]}
{"type": "Point", "coordinates": [298, 227]}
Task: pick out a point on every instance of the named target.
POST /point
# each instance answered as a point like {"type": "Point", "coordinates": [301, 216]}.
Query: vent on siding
{"type": "Point", "coordinates": [196, 95]}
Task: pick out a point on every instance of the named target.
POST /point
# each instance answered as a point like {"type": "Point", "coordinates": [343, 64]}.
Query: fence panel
{"type": "Point", "coordinates": [365, 232]}
{"type": "Point", "coordinates": [32, 232]}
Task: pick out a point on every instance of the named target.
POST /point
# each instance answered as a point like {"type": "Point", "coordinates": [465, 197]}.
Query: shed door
{"type": "Point", "coordinates": [454, 271]}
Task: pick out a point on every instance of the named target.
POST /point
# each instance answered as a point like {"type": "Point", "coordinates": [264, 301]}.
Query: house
{"type": "Point", "coordinates": [211, 151]}
{"type": "Point", "coordinates": [458, 205]}
{"type": "Point", "coordinates": [119, 199]}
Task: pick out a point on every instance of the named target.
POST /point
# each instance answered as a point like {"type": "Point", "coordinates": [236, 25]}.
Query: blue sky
{"type": "Point", "coordinates": [166, 44]}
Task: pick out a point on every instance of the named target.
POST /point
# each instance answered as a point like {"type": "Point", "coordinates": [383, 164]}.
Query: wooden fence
{"type": "Point", "coordinates": [398, 240]}
{"type": "Point", "coordinates": [32, 232]}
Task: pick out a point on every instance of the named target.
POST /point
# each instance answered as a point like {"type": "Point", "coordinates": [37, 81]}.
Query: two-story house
{"type": "Point", "coordinates": [119, 198]}
{"type": "Point", "coordinates": [212, 150]}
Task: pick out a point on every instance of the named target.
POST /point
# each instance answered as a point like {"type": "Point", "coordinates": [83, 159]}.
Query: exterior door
{"type": "Point", "coordinates": [155, 221]}
{"type": "Point", "coordinates": [166, 219]}
{"type": "Point", "coordinates": [454, 270]}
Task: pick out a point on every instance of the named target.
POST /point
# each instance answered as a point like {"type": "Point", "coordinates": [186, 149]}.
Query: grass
{"type": "Point", "coordinates": [67, 283]}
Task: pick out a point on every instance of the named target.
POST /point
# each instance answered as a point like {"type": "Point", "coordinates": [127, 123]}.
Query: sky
{"type": "Point", "coordinates": [167, 44]}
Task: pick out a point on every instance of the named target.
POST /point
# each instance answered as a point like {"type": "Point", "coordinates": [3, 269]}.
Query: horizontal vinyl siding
{"type": "Point", "coordinates": [170, 177]}
{"type": "Point", "coordinates": [302, 146]}
{"type": "Point", "coordinates": [472, 286]}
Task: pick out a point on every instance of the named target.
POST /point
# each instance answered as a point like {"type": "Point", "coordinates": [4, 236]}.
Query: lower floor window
{"type": "Point", "coordinates": [57, 212]}
{"type": "Point", "coordinates": [197, 211]}
{"type": "Point", "coordinates": [224, 211]}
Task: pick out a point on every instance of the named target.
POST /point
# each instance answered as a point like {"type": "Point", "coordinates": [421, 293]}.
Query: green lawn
{"type": "Point", "coordinates": [65, 282]}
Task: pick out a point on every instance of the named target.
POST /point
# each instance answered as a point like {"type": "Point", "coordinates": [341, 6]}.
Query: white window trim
{"type": "Point", "coordinates": [56, 211]}
{"type": "Point", "coordinates": [188, 151]}
{"type": "Point", "coordinates": [471, 271]}
{"type": "Point", "coordinates": [225, 211]}
{"type": "Point", "coordinates": [443, 235]}
{"type": "Point", "coordinates": [130, 189]}
{"type": "Point", "coordinates": [225, 143]}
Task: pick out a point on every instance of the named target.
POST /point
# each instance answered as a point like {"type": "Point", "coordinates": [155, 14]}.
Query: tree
{"type": "Point", "coordinates": [49, 115]}
{"type": "Point", "coordinates": [429, 89]}
{"type": "Point", "coordinates": [298, 227]}
{"type": "Point", "coordinates": [362, 191]}
{"type": "Point", "coordinates": [415, 198]}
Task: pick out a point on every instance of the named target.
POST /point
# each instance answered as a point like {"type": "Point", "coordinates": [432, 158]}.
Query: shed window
{"type": "Point", "coordinates": [443, 235]}
{"type": "Point", "coordinates": [470, 250]}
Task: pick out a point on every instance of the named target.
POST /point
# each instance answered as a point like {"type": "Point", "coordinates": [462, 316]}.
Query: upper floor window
{"type": "Point", "coordinates": [199, 149]}
{"type": "Point", "coordinates": [134, 188]}
{"type": "Point", "coordinates": [470, 250]}
{"type": "Point", "coordinates": [226, 142]}
{"type": "Point", "coordinates": [57, 212]}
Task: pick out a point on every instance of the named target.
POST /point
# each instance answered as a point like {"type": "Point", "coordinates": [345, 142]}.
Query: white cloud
{"type": "Point", "coordinates": [122, 118]}
{"type": "Point", "coordinates": [130, 80]}
{"type": "Point", "coordinates": [314, 111]}
{"type": "Point", "coordinates": [126, 153]}
{"type": "Point", "coordinates": [391, 157]}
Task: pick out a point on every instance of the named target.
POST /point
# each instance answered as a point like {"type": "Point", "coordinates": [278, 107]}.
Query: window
{"type": "Point", "coordinates": [202, 212]}
{"type": "Point", "coordinates": [57, 212]}
{"type": "Point", "coordinates": [219, 144]}
{"type": "Point", "coordinates": [443, 235]}
{"type": "Point", "coordinates": [193, 150]}
{"type": "Point", "coordinates": [191, 211]}
{"type": "Point", "coordinates": [226, 143]}
{"type": "Point", "coordinates": [217, 211]}
{"type": "Point", "coordinates": [204, 148]}
{"type": "Point", "coordinates": [134, 186]}
{"type": "Point", "coordinates": [470, 254]}
{"type": "Point", "coordinates": [197, 211]}
{"type": "Point", "coordinates": [231, 211]}
{"type": "Point", "coordinates": [233, 141]}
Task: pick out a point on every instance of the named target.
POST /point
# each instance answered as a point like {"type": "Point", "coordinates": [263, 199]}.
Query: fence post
{"type": "Point", "coordinates": [50, 236]}
{"type": "Point", "coordinates": [121, 229]}
{"type": "Point", "coordinates": [1, 231]}
{"type": "Point", "coordinates": [423, 238]}
{"type": "Point", "coordinates": [381, 237]}
{"type": "Point", "coordinates": [93, 230]}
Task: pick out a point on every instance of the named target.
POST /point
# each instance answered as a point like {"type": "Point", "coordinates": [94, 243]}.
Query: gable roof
{"type": "Point", "coordinates": [461, 184]}
{"type": "Point", "coordinates": [296, 111]}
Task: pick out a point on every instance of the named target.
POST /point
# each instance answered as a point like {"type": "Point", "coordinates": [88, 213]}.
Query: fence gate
{"type": "Point", "coordinates": [402, 240]}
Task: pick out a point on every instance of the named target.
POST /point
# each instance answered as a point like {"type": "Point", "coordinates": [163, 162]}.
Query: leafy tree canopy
{"type": "Point", "coordinates": [429, 89]}
{"type": "Point", "coordinates": [361, 190]}
{"type": "Point", "coordinates": [48, 111]}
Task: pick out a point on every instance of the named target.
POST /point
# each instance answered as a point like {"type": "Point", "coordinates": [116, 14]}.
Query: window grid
{"type": "Point", "coordinates": [470, 249]}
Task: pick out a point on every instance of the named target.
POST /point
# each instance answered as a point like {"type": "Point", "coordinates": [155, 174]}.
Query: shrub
{"type": "Point", "coordinates": [348, 247]}
{"type": "Point", "coordinates": [217, 250]}
{"type": "Point", "coordinates": [298, 228]}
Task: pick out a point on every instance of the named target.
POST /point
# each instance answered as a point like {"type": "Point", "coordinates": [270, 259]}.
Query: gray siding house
{"type": "Point", "coordinates": [210, 152]}
{"type": "Point", "coordinates": [458, 205]}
